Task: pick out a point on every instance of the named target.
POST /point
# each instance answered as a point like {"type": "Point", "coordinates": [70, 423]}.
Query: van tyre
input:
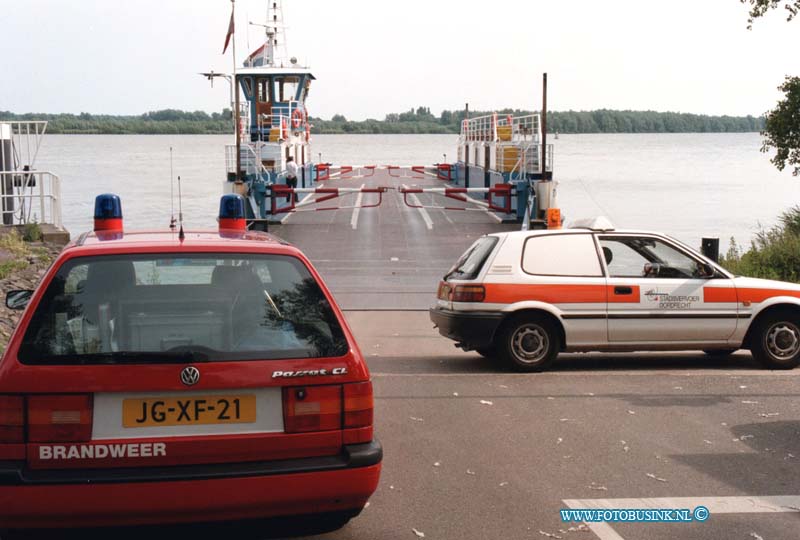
{"type": "Point", "coordinates": [528, 343]}
{"type": "Point", "coordinates": [776, 343]}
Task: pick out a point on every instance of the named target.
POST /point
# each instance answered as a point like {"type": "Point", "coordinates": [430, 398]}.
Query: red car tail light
{"type": "Point", "coordinates": [312, 408]}
{"type": "Point", "coordinates": [468, 293]}
{"type": "Point", "coordinates": [60, 418]}
{"type": "Point", "coordinates": [358, 405]}
{"type": "Point", "coordinates": [12, 419]}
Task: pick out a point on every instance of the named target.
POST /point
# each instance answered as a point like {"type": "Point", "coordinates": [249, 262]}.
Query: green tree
{"type": "Point", "coordinates": [782, 126]}
{"type": "Point", "coordinates": [759, 8]}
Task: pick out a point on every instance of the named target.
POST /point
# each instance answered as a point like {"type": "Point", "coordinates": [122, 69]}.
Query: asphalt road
{"type": "Point", "coordinates": [475, 452]}
{"type": "Point", "coordinates": [392, 256]}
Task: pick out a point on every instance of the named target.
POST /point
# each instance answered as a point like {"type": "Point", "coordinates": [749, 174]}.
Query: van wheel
{"type": "Point", "coordinates": [528, 343]}
{"type": "Point", "coordinates": [719, 353]}
{"type": "Point", "coordinates": [776, 344]}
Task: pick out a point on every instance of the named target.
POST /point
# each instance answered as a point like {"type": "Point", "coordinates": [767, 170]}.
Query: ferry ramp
{"type": "Point", "coordinates": [390, 257]}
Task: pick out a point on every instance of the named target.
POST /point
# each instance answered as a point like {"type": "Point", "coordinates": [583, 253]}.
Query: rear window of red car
{"type": "Point", "coordinates": [165, 308]}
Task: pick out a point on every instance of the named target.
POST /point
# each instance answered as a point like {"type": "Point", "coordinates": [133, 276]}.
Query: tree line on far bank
{"type": "Point", "coordinates": [419, 120]}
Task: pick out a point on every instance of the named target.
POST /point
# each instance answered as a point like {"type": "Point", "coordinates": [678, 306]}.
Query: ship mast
{"type": "Point", "coordinates": [274, 53]}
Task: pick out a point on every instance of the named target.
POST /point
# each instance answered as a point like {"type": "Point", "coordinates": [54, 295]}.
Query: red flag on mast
{"type": "Point", "coordinates": [230, 33]}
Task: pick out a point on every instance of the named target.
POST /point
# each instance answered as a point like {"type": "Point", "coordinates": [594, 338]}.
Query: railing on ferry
{"type": "Point", "coordinates": [250, 162]}
{"type": "Point", "coordinates": [30, 197]}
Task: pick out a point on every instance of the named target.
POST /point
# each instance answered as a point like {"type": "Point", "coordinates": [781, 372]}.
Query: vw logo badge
{"type": "Point", "coordinates": [190, 375]}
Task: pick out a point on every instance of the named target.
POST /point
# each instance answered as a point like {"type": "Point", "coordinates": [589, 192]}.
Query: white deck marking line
{"type": "Point", "coordinates": [769, 504]}
{"type": "Point", "coordinates": [354, 219]}
{"type": "Point", "coordinates": [450, 221]}
{"type": "Point", "coordinates": [424, 213]}
{"type": "Point", "coordinates": [299, 201]}
{"type": "Point", "coordinates": [495, 216]}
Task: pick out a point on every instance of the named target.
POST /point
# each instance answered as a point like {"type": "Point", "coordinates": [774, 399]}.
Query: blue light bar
{"type": "Point", "coordinates": [231, 206]}
{"type": "Point", "coordinates": [107, 206]}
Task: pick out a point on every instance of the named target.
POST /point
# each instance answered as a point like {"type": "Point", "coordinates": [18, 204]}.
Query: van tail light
{"type": "Point", "coordinates": [60, 418]}
{"type": "Point", "coordinates": [444, 291]}
{"type": "Point", "coordinates": [358, 405]}
{"type": "Point", "coordinates": [468, 293]}
{"type": "Point", "coordinates": [312, 408]}
{"type": "Point", "coordinates": [12, 419]}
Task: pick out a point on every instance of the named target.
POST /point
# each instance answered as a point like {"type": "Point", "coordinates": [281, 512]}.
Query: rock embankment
{"type": "Point", "coordinates": [22, 265]}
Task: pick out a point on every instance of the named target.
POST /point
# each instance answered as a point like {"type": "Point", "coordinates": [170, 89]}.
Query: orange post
{"type": "Point", "coordinates": [553, 218]}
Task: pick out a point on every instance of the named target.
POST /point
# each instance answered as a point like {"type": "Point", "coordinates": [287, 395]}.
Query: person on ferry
{"type": "Point", "coordinates": [291, 175]}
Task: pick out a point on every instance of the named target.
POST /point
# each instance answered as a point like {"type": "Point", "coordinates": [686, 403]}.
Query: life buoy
{"type": "Point", "coordinates": [284, 129]}
{"type": "Point", "coordinates": [297, 119]}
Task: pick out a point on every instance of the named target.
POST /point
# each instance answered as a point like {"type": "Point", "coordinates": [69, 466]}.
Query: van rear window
{"type": "Point", "coordinates": [469, 265]}
{"type": "Point", "coordinates": [188, 308]}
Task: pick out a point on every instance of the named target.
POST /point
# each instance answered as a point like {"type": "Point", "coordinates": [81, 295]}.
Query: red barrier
{"type": "Point", "coordinates": [419, 169]}
{"type": "Point", "coordinates": [323, 172]}
{"type": "Point", "coordinates": [441, 169]}
{"type": "Point", "coordinates": [327, 193]}
{"type": "Point", "coordinates": [460, 194]}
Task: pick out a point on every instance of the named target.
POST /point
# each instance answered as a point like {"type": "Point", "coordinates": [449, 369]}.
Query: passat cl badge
{"type": "Point", "coordinates": [190, 375]}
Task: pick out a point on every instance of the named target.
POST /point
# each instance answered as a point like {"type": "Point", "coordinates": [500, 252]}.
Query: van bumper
{"type": "Point", "coordinates": [470, 329]}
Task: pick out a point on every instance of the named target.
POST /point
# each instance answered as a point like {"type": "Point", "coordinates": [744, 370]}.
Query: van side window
{"type": "Point", "coordinates": [634, 256]}
{"type": "Point", "coordinates": [561, 255]}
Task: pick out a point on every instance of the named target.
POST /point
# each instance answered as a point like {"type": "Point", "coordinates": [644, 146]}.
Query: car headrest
{"type": "Point", "coordinates": [608, 255]}
{"type": "Point", "coordinates": [107, 276]}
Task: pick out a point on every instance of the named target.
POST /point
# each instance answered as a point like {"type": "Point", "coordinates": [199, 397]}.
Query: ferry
{"type": "Point", "coordinates": [504, 165]}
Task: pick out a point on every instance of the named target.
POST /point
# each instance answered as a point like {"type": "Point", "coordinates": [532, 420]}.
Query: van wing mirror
{"type": "Point", "coordinates": [18, 299]}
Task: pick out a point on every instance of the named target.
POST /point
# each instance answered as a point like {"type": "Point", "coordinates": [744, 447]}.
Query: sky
{"type": "Point", "coordinates": [372, 57]}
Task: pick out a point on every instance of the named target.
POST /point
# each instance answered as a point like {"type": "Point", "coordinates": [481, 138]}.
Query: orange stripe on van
{"type": "Point", "coordinates": [719, 294]}
{"type": "Point", "coordinates": [716, 294]}
{"type": "Point", "coordinates": [509, 293]}
{"type": "Point", "coordinates": [759, 295]}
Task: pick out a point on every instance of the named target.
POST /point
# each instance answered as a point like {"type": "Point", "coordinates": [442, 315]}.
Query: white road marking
{"type": "Point", "coordinates": [424, 213]}
{"type": "Point", "coordinates": [495, 216]}
{"type": "Point", "coordinates": [354, 219]}
{"type": "Point", "coordinates": [770, 504]}
{"type": "Point", "coordinates": [298, 203]}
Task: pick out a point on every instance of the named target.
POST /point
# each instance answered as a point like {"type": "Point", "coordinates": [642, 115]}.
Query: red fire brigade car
{"type": "Point", "coordinates": [163, 377]}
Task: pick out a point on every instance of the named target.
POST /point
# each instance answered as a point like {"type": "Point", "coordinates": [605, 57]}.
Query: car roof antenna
{"type": "Point", "coordinates": [171, 192]}
{"type": "Point", "coordinates": [181, 236]}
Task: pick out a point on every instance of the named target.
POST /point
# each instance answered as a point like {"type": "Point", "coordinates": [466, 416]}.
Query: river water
{"type": "Point", "coordinates": [687, 185]}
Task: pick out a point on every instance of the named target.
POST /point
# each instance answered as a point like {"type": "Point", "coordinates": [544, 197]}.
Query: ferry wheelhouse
{"type": "Point", "coordinates": [273, 123]}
